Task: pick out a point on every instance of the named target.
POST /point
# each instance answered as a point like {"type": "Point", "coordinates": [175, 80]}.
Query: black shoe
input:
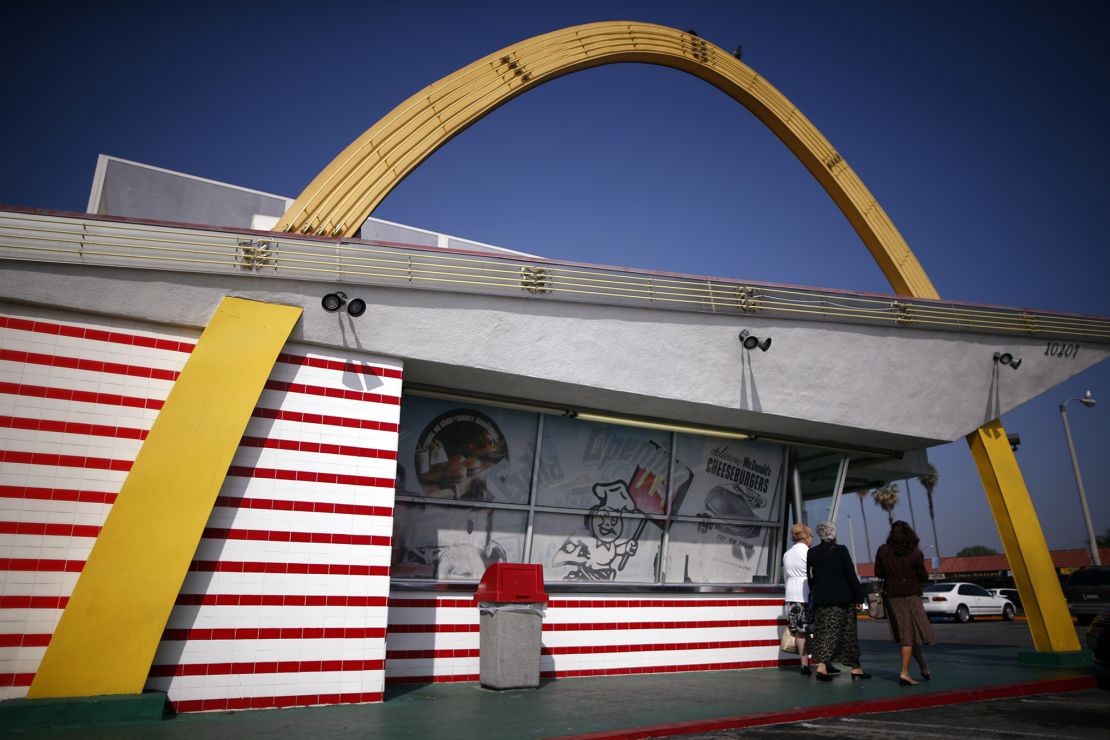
{"type": "Point", "coordinates": [859, 676]}
{"type": "Point", "coordinates": [822, 676]}
{"type": "Point", "coordinates": [806, 671]}
{"type": "Point", "coordinates": [926, 676]}
{"type": "Point", "coordinates": [832, 670]}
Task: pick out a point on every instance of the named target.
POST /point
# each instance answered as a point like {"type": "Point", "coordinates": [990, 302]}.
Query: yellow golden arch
{"type": "Point", "coordinates": [108, 633]}
{"type": "Point", "coordinates": [341, 197]}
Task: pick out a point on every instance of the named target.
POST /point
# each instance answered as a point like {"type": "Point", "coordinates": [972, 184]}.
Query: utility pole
{"type": "Point", "coordinates": [909, 500]}
{"type": "Point", "coordinates": [852, 540]}
{"type": "Point", "coordinates": [1092, 543]}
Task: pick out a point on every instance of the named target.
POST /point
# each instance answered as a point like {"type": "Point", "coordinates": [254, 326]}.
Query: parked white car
{"type": "Point", "coordinates": [964, 601]}
{"type": "Point", "coordinates": [1008, 593]}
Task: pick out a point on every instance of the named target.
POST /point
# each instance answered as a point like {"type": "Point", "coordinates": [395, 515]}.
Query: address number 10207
{"type": "Point", "coordinates": [1061, 349]}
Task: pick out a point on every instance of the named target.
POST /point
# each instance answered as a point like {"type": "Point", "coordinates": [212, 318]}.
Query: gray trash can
{"type": "Point", "coordinates": [511, 605]}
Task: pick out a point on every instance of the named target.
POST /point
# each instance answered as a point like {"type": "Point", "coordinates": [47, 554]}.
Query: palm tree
{"type": "Point", "coordinates": [929, 481]}
{"type": "Point", "coordinates": [862, 493]}
{"type": "Point", "coordinates": [886, 498]}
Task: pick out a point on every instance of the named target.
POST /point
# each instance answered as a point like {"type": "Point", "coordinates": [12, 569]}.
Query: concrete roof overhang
{"type": "Point", "coordinates": [878, 375]}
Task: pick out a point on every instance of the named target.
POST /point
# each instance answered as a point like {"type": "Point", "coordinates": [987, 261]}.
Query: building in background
{"type": "Point", "coordinates": [993, 571]}
{"type": "Point", "coordinates": [647, 438]}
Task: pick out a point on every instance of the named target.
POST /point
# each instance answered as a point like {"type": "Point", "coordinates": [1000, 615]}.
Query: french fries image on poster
{"type": "Point", "coordinates": [607, 549]}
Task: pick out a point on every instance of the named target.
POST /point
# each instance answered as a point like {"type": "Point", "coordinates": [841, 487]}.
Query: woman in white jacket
{"type": "Point", "coordinates": [797, 589]}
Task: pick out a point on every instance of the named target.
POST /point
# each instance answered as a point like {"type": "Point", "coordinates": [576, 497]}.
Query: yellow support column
{"type": "Point", "coordinates": [1023, 540]}
{"type": "Point", "coordinates": [105, 641]}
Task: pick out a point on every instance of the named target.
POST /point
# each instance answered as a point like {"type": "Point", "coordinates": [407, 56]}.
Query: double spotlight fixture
{"type": "Point", "coordinates": [332, 302]}
{"type": "Point", "coordinates": [1005, 358]}
{"type": "Point", "coordinates": [751, 342]}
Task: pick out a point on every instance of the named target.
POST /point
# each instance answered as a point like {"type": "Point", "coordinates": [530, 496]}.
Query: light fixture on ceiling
{"type": "Point", "coordinates": [657, 425]}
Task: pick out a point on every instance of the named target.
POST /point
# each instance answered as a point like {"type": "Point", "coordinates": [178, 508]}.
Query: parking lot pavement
{"type": "Point", "coordinates": [1076, 715]}
{"type": "Point", "coordinates": [990, 631]}
{"type": "Point", "coordinates": [977, 632]}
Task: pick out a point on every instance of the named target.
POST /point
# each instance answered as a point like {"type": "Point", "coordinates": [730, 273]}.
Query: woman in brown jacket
{"type": "Point", "coordinates": [901, 566]}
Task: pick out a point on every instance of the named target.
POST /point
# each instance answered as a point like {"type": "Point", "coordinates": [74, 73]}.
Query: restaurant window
{"type": "Point", "coordinates": [591, 502]}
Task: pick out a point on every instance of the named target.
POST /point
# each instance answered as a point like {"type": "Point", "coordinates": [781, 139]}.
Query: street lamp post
{"type": "Point", "coordinates": [1092, 543]}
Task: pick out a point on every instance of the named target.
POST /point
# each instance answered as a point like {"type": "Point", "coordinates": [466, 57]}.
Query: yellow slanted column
{"type": "Point", "coordinates": [1026, 549]}
{"type": "Point", "coordinates": [105, 641]}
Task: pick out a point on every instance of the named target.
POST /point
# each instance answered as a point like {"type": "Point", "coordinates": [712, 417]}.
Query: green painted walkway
{"type": "Point", "coordinates": [594, 705]}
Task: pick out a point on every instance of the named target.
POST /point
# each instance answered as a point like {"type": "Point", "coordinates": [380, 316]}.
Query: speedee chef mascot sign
{"type": "Point", "coordinates": [611, 483]}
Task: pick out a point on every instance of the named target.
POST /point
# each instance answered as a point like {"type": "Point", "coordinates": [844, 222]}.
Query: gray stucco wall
{"type": "Point", "coordinates": [888, 388]}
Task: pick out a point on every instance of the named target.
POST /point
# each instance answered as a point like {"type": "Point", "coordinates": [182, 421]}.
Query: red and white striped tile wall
{"type": "Point", "coordinates": [433, 637]}
{"type": "Point", "coordinates": [286, 599]}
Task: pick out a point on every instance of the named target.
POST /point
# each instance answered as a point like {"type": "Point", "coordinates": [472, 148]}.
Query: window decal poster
{"type": "Point", "coordinates": [732, 479]}
{"type": "Point", "coordinates": [465, 451]}
{"type": "Point", "coordinates": [728, 480]}
{"type": "Point", "coordinates": [454, 542]}
{"type": "Point", "coordinates": [716, 553]}
{"type": "Point", "coordinates": [599, 546]}
{"type": "Point", "coordinates": [610, 472]}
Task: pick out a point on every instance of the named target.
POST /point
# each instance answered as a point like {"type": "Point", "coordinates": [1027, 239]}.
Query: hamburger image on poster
{"type": "Point", "coordinates": [454, 452]}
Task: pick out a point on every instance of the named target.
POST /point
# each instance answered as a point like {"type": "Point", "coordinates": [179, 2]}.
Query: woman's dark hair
{"type": "Point", "coordinates": [903, 540]}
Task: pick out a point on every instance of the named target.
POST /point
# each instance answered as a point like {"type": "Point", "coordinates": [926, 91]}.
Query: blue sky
{"type": "Point", "coordinates": [979, 126]}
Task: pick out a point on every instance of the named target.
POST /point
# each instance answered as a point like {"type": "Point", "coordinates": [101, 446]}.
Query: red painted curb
{"type": "Point", "coordinates": [800, 714]}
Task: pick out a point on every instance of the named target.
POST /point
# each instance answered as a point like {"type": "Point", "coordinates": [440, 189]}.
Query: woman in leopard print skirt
{"type": "Point", "coordinates": [836, 591]}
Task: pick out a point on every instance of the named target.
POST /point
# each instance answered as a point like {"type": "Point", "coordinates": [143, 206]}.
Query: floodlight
{"type": "Point", "coordinates": [357, 307]}
{"type": "Point", "coordinates": [750, 342]}
{"type": "Point", "coordinates": [332, 302]}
